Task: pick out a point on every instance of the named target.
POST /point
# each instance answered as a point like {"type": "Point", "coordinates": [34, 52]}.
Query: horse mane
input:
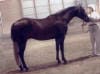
{"type": "Point", "coordinates": [69, 10]}
{"type": "Point", "coordinates": [62, 12]}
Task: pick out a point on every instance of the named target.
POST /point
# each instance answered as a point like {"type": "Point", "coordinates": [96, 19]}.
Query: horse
{"type": "Point", "coordinates": [54, 26]}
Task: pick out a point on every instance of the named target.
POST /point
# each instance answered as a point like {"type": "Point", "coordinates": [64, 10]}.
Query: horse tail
{"type": "Point", "coordinates": [16, 53]}
{"type": "Point", "coordinates": [15, 44]}
{"type": "Point", "coordinates": [13, 33]}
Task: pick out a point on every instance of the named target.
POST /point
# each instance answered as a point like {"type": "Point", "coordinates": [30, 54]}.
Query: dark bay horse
{"type": "Point", "coordinates": [54, 26]}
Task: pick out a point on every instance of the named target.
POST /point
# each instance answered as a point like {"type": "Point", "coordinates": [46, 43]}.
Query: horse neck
{"type": "Point", "coordinates": [67, 16]}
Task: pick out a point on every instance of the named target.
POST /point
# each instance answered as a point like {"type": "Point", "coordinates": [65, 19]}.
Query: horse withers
{"type": "Point", "coordinates": [54, 26]}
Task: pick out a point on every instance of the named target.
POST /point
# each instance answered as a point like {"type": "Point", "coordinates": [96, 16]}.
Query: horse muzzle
{"type": "Point", "coordinates": [87, 19]}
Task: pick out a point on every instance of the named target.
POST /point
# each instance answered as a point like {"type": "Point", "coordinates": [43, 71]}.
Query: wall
{"type": "Point", "coordinates": [11, 11]}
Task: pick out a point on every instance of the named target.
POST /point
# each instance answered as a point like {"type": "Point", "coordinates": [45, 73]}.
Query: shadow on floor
{"type": "Point", "coordinates": [51, 65]}
{"type": "Point", "coordinates": [81, 58]}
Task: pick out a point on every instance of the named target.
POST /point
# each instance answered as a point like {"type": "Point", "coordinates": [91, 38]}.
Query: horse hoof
{"type": "Point", "coordinates": [21, 68]}
{"type": "Point", "coordinates": [65, 62]}
{"type": "Point", "coordinates": [59, 62]}
{"type": "Point", "coordinates": [26, 69]}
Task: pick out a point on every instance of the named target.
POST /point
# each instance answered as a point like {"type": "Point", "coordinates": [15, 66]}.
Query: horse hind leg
{"type": "Point", "coordinates": [16, 54]}
{"type": "Point", "coordinates": [22, 46]}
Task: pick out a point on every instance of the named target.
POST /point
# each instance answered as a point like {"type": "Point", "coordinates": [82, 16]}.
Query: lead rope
{"type": "Point", "coordinates": [84, 24]}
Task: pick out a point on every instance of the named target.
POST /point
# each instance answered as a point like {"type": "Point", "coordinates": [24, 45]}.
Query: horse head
{"type": "Point", "coordinates": [80, 13]}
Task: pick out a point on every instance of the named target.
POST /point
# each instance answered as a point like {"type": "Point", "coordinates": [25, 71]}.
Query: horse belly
{"type": "Point", "coordinates": [44, 36]}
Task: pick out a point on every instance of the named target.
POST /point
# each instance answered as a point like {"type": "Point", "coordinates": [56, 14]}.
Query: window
{"type": "Point", "coordinates": [28, 8]}
{"type": "Point", "coordinates": [43, 8]}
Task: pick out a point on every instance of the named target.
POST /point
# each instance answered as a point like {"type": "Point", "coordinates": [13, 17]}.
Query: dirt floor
{"type": "Point", "coordinates": [40, 56]}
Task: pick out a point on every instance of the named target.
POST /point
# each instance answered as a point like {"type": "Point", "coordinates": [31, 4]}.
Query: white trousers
{"type": "Point", "coordinates": [94, 31]}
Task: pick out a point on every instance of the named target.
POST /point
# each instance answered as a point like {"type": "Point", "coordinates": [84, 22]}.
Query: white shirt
{"type": "Point", "coordinates": [94, 15]}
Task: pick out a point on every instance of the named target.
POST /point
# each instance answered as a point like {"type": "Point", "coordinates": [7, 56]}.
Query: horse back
{"type": "Point", "coordinates": [40, 29]}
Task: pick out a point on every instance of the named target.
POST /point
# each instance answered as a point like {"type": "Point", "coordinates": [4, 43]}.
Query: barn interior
{"type": "Point", "coordinates": [40, 55]}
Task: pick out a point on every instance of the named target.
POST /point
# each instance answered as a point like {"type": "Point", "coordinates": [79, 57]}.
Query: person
{"type": "Point", "coordinates": [94, 29]}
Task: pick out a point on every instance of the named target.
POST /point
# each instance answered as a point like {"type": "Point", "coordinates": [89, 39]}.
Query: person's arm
{"type": "Point", "coordinates": [94, 20]}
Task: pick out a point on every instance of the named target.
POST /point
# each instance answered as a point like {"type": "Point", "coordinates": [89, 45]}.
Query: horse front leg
{"type": "Point", "coordinates": [57, 51]}
{"type": "Point", "coordinates": [62, 50]}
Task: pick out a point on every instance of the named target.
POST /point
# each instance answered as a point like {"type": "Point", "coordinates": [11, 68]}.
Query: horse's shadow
{"type": "Point", "coordinates": [51, 65]}
{"type": "Point", "coordinates": [81, 58]}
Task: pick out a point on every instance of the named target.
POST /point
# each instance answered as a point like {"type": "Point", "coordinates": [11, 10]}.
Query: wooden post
{"type": "Point", "coordinates": [97, 5]}
{"type": "Point", "coordinates": [63, 3]}
{"type": "Point", "coordinates": [35, 9]}
{"type": "Point", "coordinates": [21, 8]}
{"type": "Point", "coordinates": [1, 25]}
{"type": "Point", "coordinates": [86, 3]}
{"type": "Point", "coordinates": [49, 7]}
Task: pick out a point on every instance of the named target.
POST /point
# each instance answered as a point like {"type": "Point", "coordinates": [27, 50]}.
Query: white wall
{"type": "Point", "coordinates": [11, 11]}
